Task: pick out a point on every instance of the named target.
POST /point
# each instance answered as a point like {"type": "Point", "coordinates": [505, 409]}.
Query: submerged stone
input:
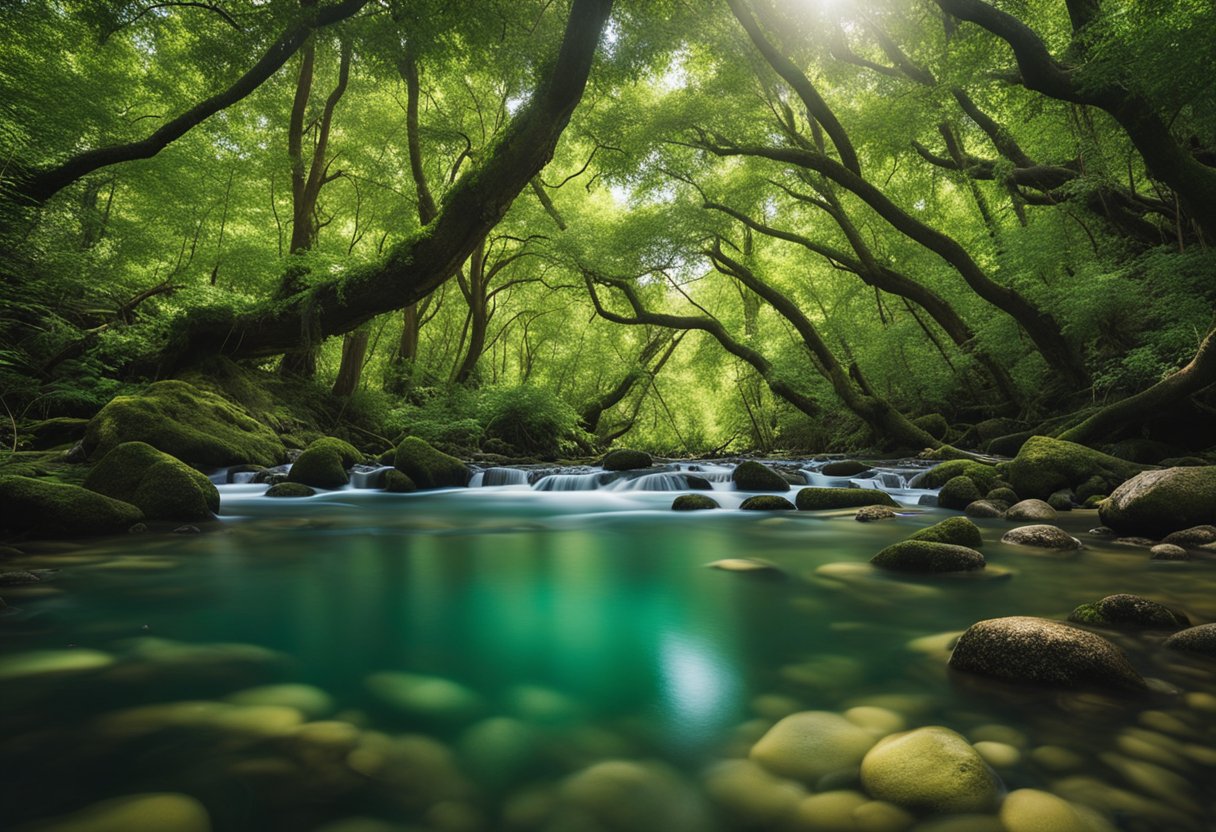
{"type": "Point", "coordinates": [958, 531]}
{"type": "Point", "coordinates": [930, 769]}
{"type": "Point", "coordinates": [752, 566]}
{"type": "Point", "coordinates": [1128, 611]}
{"type": "Point", "coordinates": [1030, 810]}
{"type": "Point", "coordinates": [1045, 652]}
{"type": "Point", "coordinates": [1168, 551]}
{"type": "Point", "coordinates": [1201, 639]}
{"type": "Point", "coordinates": [809, 745]}
{"type": "Point", "coordinates": [693, 502]}
{"type": "Point", "coordinates": [817, 499]}
{"type": "Point", "coordinates": [628, 796]}
{"type": "Point", "coordinates": [625, 460]}
{"type": "Point", "coordinates": [424, 696]}
{"type": "Point", "coordinates": [48, 509]}
{"type": "Point", "coordinates": [748, 792]}
{"type": "Point", "coordinates": [752, 476]}
{"type": "Point", "coordinates": [307, 699]}
{"type": "Point", "coordinates": [868, 514]}
{"type": "Point", "coordinates": [52, 662]}
{"type": "Point", "coordinates": [161, 486]}
{"type": "Point", "coordinates": [927, 557]}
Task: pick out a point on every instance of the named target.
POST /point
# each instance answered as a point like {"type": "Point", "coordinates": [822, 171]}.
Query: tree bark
{"type": "Point", "coordinates": [37, 186]}
{"type": "Point", "coordinates": [354, 351]}
{"type": "Point", "coordinates": [479, 320]}
{"type": "Point", "coordinates": [589, 418]}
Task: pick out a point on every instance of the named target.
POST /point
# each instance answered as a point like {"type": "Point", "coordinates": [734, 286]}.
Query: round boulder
{"type": "Point", "coordinates": [766, 502]}
{"type": "Point", "coordinates": [160, 485]}
{"type": "Point", "coordinates": [930, 769]}
{"type": "Point", "coordinates": [958, 531]}
{"type": "Point", "coordinates": [693, 502]}
{"type": "Point", "coordinates": [844, 468]}
{"type": "Point", "coordinates": [1042, 536]}
{"type": "Point", "coordinates": [868, 514]}
{"type": "Point", "coordinates": [811, 744]}
{"type": "Point", "coordinates": [984, 508]}
{"type": "Point", "coordinates": [1158, 503]}
{"type": "Point", "coordinates": [1194, 536]}
{"type": "Point", "coordinates": [926, 557]}
{"type": "Point", "coordinates": [1129, 611]}
{"type": "Point", "coordinates": [429, 468]}
{"type": "Point", "coordinates": [289, 489]}
{"type": "Point", "coordinates": [1003, 494]}
{"type": "Point", "coordinates": [1168, 551]}
{"type": "Point", "coordinates": [625, 460]}
{"type": "Point", "coordinates": [320, 466]}
{"type": "Point", "coordinates": [1030, 810]}
{"type": "Point", "coordinates": [1201, 639]}
{"type": "Point", "coordinates": [958, 493]}
{"type": "Point", "coordinates": [40, 508]}
{"type": "Point", "coordinates": [752, 476]}
{"type": "Point", "coordinates": [1045, 652]}
{"type": "Point", "coordinates": [1031, 510]}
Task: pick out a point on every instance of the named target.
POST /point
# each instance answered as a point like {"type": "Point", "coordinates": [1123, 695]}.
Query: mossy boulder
{"type": "Point", "coordinates": [1005, 495]}
{"type": "Point", "coordinates": [396, 482]}
{"type": "Point", "coordinates": [1061, 500]}
{"type": "Point", "coordinates": [429, 468]}
{"type": "Point", "coordinates": [320, 465]}
{"type": "Point", "coordinates": [1158, 503]}
{"type": "Point", "coordinates": [1201, 639]}
{"type": "Point", "coordinates": [931, 769]}
{"type": "Point", "coordinates": [349, 454]}
{"type": "Point", "coordinates": [869, 514]}
{"type": "Point", "coordinates": [1045, 465]}
{"type": "Point", "coordinates": [693, 502]}
{"type": "Point", "coordinates": [934, 424]}
{"type": "Point", "coordinates": [958, 531]}
{"type": "Point", "coordinates": [161, 486]}
{"type": "Point", "coordinates": [844, 468]}
{"type": "Point", "coordinates": [766, 502]}
{"type": "Point", "coordinates": [626, 460]}
{"type": "Point", "coordinates": [818, 499]}
{"type": "Point", "coordinates": [925, 557]}
{"type": "Point", "coordinates": [196, 426]}
{"type": "Point", "coordinates": [984, 476]}
{"type": "Point", "coordinates": [958, 493]}
{"type": "Point", "coordinates": [1044, 652]}
{"type": "Point", "coordinates": [1126, 610]}
{"type": "Point", "coordinates": [289, 489]}
{"type": "Point", "coordinates": [48, 509]}
{"type": "Point", "coordinates": [752, 476]}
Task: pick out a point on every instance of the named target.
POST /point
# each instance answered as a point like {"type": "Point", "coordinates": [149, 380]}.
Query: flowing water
{"type": "Point", "coordinates": [557, 657]}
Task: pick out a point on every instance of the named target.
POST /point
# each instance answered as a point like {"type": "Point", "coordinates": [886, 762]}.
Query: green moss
{"type": "Point", "coordinates": [47, 509]}
{"type": "Point", "coordinates": [196, 426]}
{"type": "Point", "coordinates": [1005, 495]}
{"type": "Point", "coordinates": [1126, 610]}
{"type": "Point", "coordinates": [349, 453]}
{"type": "Point", "coordinates": [956, 530]}
{"type": "Point", "coordinates": [61, 430]}
{"type": "Point", "coordinates": [1045, 465]}
{"type": "Point", "coordinates": [766, 502]}
{"type": "Point", "coordinates": [321, 466]}
{"type": "Point", "coordinates": [1094, 501]}
{"type": "Point", "coordinates": [289, 489]}
{"type": "Point", "coordinates": [816, 499]}
{"type": "Point", "coordinates": [396, 482]}
{"type": "Point", "coordinates": [625, 460]}
{"type": "Point", "coordinates": [927, 557]}
{"type": "Point", "coordinates": [1157, 503]}
{"type": "Point", "coordinates": [1086, 614]}
{"type": "Point", "coordinates": [1060, 501]}
{"type": "Point", "coordinates": [933, 424]}
{"type": "Point", "coordinates": [958, 493]}
{"type": "Point", "coordinates": [429, 468]}
{"type": "Point", "coordinates": [163, 487]}
{"type": "Point", "coordinates": [844, 468]}
{"type": "Point", "coordinates": [984, 476]}
{"type": "Point", "coordinates": [752, 476]}
{"type": "Point", "coordinates": [693, 502]}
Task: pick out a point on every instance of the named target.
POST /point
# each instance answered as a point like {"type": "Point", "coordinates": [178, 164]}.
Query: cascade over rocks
{"type": "Point", "coordinates": [47, 509]}
{"type": "Point", "coordinates": [1044, 652]}
{"type": "Point", "coordinates": [626, 460]}
{"type": "Point", "coordinates": [161, 486]}
{"type": "Point", "coordinates": [693, 502]}
{"type": "Point", "coordinates": [1158, 503]}
{"type": "Point", "coordinates": [196, 426]}
{"type": "Point", "coordinates": [1045, 465]}
{"type": "Point", "coordinates": [766, 502]}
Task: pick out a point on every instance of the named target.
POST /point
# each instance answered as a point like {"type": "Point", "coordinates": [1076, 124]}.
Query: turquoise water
{"type": "Point", "coordinates": [540, 635]}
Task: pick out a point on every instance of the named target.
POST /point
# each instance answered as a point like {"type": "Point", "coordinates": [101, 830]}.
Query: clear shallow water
{"type": "Point", "coordinates": [541, 634]}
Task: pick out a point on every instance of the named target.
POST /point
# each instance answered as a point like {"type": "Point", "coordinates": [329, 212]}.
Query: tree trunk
{"type": "Point", "coordinates": [479, 321]}
{"type": "Point", "coordinates": [354, 350]}
{"type": "Point", "coordinates": [418, 265]}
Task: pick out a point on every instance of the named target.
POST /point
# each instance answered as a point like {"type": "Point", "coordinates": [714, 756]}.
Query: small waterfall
{"type": "Point", "coordinates": [242, 477]}
{"type": "Point", "coordinates": [367, 476]}
{"type": "Point", "coordinates": [499, 476]}
{"type": "Point", "coordinates": [573, 482]}
{"type": "Point", "coordinates": [665, 481]}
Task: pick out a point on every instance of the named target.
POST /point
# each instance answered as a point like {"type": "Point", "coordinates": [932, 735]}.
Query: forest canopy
{"type": "Point", "coordinates": [543, 226]}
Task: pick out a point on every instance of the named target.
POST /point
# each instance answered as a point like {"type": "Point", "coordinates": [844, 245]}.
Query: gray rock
{"type": "Point", "coordinates": [1126, 610]}
{"type": "Point", "coordinates": [1030, 510]}
{"type": "Point", "coordinates": [1043, 536]}
{"type": "Point", "coordinates": [1194, 536]}
{"type": "Point", "coordinates": [1201, 639]}
{"type": "Point", "coordinates": [1168, 551]}
{"type": "Point", "coordinates": [1041, 651]}
{"type": "Point", "coordinates": [868, 514]}
{"type": "Point", "coordinates": [983, 508]}
{"type": "Point", "coordinates": [1158, 503]}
